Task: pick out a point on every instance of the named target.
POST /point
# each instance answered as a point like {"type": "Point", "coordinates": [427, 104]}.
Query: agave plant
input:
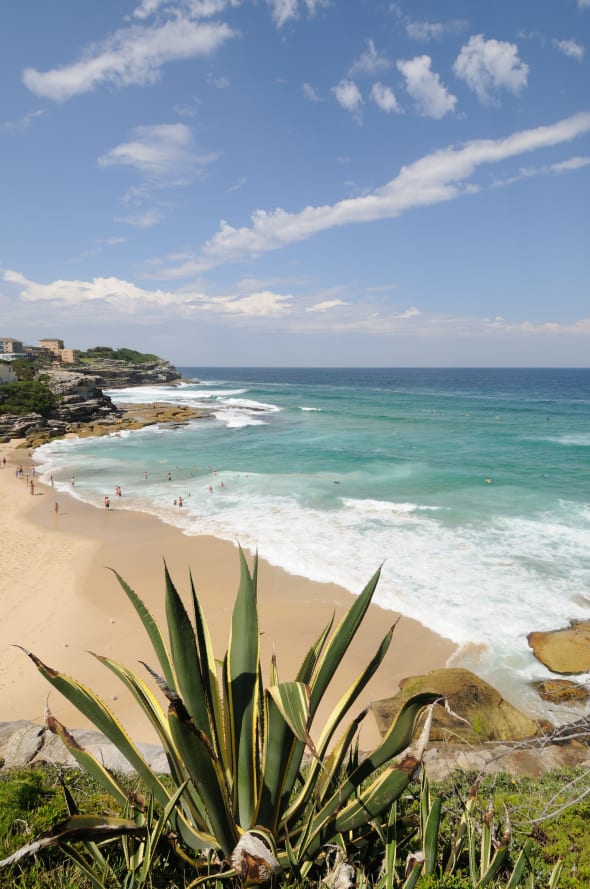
{"type": "Point", "coordinates": [476, 850]}
{"type": "Point", "coordinates": [236, 746]}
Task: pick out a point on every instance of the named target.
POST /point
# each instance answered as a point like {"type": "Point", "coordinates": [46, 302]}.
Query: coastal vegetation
{"type": "Point", "coordinates": [34, 798]}
{"type": "Point", "coordinates": [27, 396]}
{"type": "Point", "coordinates": [250, 796]}
{"type": "Point", "coordinates": [107, 352]}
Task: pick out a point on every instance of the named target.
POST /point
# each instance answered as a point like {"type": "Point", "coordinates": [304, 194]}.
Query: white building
{"type": "Point", "coordinates": [7, 375]}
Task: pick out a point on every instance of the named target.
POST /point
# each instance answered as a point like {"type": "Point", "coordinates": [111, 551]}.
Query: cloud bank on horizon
{"type": "Point", "coordinates": [326, 182]}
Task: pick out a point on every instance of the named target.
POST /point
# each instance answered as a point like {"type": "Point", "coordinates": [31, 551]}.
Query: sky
{"type": "Point", "coordinates": [298, 182]}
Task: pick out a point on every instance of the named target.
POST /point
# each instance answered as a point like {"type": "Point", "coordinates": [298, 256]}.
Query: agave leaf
{"type": "Point", "coordinates": [88, 762]}
{"type": "Point", "coordinates": [430, 838]}
{"type": "Point", "coordinates": [400, 732]}
{"type": "Point", "coordinates": [78, 827]}
{"type": "Point", "coordinates": [292, 699]}
{"type": "Point", "coordinates": [152, 630]}
{"type": "Point", "coordinates": [210, 682]}
{"type": "Point", "coordinates": [520, 865]}
{"type": "Point", "coordinates": [277, 749]}
{"type": "Point", "coordinates": [186, 660]}
{"type": "Point", "coordinates": [85, 868]}
{"type": "Point", "coordinates": [337, 817]}
{"type": "Point", "coordinates": [496, 863]}
{"type": "Point", "coordinates": [322, 774]}
{"type": "Point", "coordinates": [243, 670]}
{"type": "Point", "coordinates": [154, 837]}
{"type": "Point", "coordinates": [352, 694]}
{"type": "Point", "coordinates": [309, 663]}
{"type": "Point", "coordinates": [339, 643]}
{"type": "Point", "coordinates": [144, 697]}
{"type": "Point", "coordinates": [329, 660]}
{"type": "Point", "coordinates": [207, 775]}
{"type": "Point", "coordinates": [91, 706]}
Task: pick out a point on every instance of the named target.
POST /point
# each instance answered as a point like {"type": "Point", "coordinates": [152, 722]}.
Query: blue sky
{"type": "Point", "coordinates": [299, 182]}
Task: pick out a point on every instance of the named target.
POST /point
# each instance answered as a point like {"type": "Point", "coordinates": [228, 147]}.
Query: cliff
{"type": "Point", "coordinates": [112, 374]}
{"type": "Point", "coordinates": [83, 407]}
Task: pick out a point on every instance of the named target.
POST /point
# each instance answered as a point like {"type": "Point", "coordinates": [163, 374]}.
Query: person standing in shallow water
{"type": "Point", "coordinates": [107, 503]}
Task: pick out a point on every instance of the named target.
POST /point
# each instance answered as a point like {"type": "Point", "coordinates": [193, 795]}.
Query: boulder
{"type": "Point", "coordinates": [479, 712]}
{"type": "Point", "coordinates": [564, 651]}
{"type": "Point", "coordinates": [562, 691]}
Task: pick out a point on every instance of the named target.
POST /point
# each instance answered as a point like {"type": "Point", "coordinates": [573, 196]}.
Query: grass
{"type": "Point", "coordinates": [551, 810]}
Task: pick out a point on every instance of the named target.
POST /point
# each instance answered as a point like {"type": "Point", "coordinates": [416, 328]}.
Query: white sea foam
{"type": "Point", "coordinates": [248, 404]}
{"type": "Point", "coordinates": [580, 439]}
{"type": "Point", "coordinates": [310, 409]}
{"type": "Point", "coordinates": [171, 395]}
{"type": "Point", "coordinates": [368, 507]}
{"type": "Point", "coordinates": [237, 420]}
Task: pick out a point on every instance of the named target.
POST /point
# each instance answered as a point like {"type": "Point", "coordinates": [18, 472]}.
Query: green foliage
{"type": "Point", "coordinates": [24, 369]}
{"type": "Point", "coordinates": [128, 355]}
{"type": "Point", "coordinates": [236, 748]}
{"type": "Point", "coordinates": [28, 396]}
{"type": "Point", "coordinates": [45, 805]}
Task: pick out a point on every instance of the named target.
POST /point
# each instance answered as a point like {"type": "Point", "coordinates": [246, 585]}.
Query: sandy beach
{"type": "Point", "coordinates": [60, 600]}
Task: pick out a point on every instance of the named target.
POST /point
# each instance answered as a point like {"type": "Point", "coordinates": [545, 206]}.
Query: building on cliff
{"type": "Point", "coordinates": [10, 348]}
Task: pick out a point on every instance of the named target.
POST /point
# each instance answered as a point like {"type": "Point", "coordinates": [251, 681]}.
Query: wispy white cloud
{"type": "Point", "coordinates": [23, 123]}
{"type": "Point", "coordinates": [424, 85]}
{"type": "Point", "coordinates": [441, 176]}
{"type": "Point", "coordinates": [571, 49]}
{"type": "Point", "coordinates": [572, 163]}
{"type": "Point", "coordinates": [284, 10]}
{"type": "Point", "coordinates": [262, 304]}
{"type": "Point", "coordinates": [133, 55]}
{"type": "Point", "coordinates": [143, 218]}
{"type": "Point", "coordinates": [384, 98]}
{"type": "Point", "coordinates": [327, 305]}
{"type": "Point", "coordinates": [487, 66]}
{"type": "Point", "coordinates": [310, 93]}
{"type": "Point", "coordinates": [123, 298]}
{"type": "Point", "coordinates": [583, 4]}
{"type": "Point", "coordinates": [371, 61]}
{"type": "Point", "coordinates": [348, 96]}
{"type": "Point", "coordinates": [163, 153]}
{"type": "Point", "coordinates": [426, 31]}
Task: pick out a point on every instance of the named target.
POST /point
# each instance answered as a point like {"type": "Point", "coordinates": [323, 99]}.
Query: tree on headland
{"type": "Point", "coordinates": [26, 397]}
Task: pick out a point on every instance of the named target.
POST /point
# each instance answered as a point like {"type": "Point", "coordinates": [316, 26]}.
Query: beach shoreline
{"type": "Point", "coordinates": [61, 601]}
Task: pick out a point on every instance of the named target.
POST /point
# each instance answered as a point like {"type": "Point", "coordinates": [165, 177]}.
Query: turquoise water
{"type": "Point", "coordinates": [470, 486]}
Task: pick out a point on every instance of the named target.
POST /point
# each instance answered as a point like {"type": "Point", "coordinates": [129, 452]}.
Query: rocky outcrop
{"type": "Point", "coordinates": [562, 691]}
{"type": "Point", "coordinates": [84, 409]}
{"type": "Point", "coordinates": [565, 651]}
{"type": "Point", "coordinates": [24, 743]}
{"type": "Point", "coordinates": [478, 712]}
{"type": "Point", "coordinates": [111, 374]}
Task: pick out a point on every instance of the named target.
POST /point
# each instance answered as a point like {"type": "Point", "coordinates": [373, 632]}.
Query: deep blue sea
{"type": "Point", "coordinates": [472, 487]}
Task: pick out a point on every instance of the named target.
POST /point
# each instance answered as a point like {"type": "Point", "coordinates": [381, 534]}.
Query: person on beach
{"type": "Point", "coordinates": [169, 477]}
{"type": "Point", "coordinates": [32, 487]}
{"type": "Point", "coordinates": [73, 479]}
{"type": "Point", "coordinates": [107, 503]}
{"type": "Point", "coordinates": [56, 507]}
{"type": "Point", "coordinates": [117, 490]}
{"type": "Point", "coordinates": [180, 501]}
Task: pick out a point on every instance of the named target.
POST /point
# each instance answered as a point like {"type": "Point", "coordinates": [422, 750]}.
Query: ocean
{"type": "Point", "coordinates": [470, 487]}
